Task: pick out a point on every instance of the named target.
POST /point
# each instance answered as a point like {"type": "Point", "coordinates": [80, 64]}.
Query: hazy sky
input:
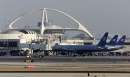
{"type": "Point", "coordinates": [99, 15]}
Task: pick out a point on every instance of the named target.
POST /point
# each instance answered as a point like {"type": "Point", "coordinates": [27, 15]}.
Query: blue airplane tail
{"type": "Point", "coordinates": [113, 41]}
{"type": "Point", "coordinates": [121, 40]}
{"type": "Point", "coordinates": [103, 40]}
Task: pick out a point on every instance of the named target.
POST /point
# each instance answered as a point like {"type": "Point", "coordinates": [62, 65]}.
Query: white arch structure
{"type": "Point", "coordinates": [45, 20]}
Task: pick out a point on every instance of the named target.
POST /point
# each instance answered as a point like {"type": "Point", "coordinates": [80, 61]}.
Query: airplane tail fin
{"type": "Point", "coordinates": [113, 41]}
{"type": "Point", "coordinates": [121, 40]}
{"type": "Point", "coordinates": [103, 40]}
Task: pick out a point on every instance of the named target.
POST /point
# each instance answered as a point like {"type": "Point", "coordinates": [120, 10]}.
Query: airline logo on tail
{"type": "Point", "coordinates": [103, 40]}
{"type": "Point", "coordinates": [113, 41]}
{"type": "Point", "coordinates": [122, 40]}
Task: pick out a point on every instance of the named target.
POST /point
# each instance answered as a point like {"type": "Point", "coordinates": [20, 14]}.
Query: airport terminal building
{"type": "Point", "coordinates": [43, 37]}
